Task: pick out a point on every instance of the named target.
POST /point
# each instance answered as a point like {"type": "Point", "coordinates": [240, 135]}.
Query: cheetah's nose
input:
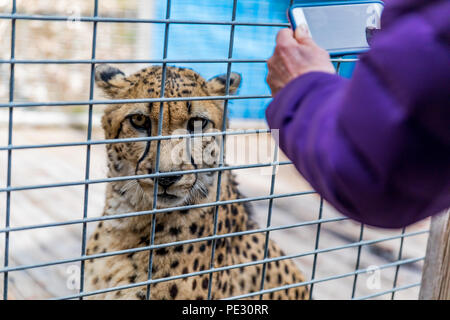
{"type": "Point", "coordinates": [168, 181]}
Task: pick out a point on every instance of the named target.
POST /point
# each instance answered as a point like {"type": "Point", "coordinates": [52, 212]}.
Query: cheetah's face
{"type": "Point", "coordinates": [134, 120]}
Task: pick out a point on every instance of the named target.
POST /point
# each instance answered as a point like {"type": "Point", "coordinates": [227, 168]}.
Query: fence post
{"type": "Point", "coordinates": [436, 270]}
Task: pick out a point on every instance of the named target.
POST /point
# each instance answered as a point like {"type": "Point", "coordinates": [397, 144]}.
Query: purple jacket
{"type": "Point", "coordinates": [377, 146]}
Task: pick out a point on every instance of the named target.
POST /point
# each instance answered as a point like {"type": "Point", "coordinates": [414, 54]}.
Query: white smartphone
{"type": "Point", "coordinates": [339, 28]}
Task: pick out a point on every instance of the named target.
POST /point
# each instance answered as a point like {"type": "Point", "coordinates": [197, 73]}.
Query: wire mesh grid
{"type": "Point", "coordinates": [85, 220]}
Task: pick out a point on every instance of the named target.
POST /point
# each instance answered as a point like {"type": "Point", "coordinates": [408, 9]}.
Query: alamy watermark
{"type": "Point", "coordinates": [74, 17]}
{"type": "Point", "coordinates": [204, 149]}
{"type": "Point", "coordinates": [73, 273]}
{"type": "Point", "coordinates": [373, 281]}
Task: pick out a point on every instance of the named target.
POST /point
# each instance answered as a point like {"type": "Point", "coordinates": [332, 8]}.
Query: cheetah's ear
{"type": "Point", "coordinates": [111, 80]}
{"type": "Point", "coordinates": [217, 85]}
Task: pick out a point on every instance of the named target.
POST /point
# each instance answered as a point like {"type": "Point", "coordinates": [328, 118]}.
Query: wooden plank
{"type": "Point", "coordinates": [436, 271]}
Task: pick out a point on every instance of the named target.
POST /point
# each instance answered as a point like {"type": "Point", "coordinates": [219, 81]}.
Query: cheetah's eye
{"type": "Point", "coordinates": [197, 123]}
{"type": "Point", "coordinates": [140, 121]}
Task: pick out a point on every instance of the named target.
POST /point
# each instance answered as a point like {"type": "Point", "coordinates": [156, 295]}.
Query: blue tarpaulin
{"type": "Point", "coordinates": [197, 41]}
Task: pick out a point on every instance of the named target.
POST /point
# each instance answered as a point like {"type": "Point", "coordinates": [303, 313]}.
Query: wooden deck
{"type": "Point", "coordinates": [53, 165]}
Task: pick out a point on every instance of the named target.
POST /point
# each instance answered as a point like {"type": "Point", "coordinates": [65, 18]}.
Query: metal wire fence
{"type": "Point", "coordinates": [85, 220]}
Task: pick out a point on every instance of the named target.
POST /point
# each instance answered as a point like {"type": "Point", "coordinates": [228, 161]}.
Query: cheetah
{"type": "Point", "coordinates": [134, 120]}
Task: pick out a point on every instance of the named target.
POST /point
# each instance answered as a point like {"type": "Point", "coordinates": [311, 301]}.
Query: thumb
{"type": "Point", "coordinates": [302, 34]}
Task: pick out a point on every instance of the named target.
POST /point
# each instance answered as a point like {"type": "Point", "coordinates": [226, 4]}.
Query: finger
{"type": "Point", "coordinates": [285, 36]}
{"type": "Point", "coordinates": [269, 62]}
{"type": "Point", "coordinates": [270, 82]}
{"type": "Point", "coordinates": [302, 34]}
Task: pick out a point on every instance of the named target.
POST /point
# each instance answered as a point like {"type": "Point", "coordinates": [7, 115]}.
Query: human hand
{"type": "Point", "coordinates": [295, 54]}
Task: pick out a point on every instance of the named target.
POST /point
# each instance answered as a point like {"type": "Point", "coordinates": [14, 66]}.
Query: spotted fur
{"type": "Point", "coordinates": [139, 158]}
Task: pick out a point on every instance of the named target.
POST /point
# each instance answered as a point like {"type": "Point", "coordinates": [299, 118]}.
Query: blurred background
{"type": "Point", "coordinates": [69, 40]}
{"type": "Point", "coordinates": [125, 41]}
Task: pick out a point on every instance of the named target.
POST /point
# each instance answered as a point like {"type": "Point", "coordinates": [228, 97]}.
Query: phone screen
{"type": "Point", "coordinates": [339, 28]}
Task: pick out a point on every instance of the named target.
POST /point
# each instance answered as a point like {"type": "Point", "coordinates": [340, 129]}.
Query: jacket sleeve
{"type": "Point", "coordinates": [377, 146]}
